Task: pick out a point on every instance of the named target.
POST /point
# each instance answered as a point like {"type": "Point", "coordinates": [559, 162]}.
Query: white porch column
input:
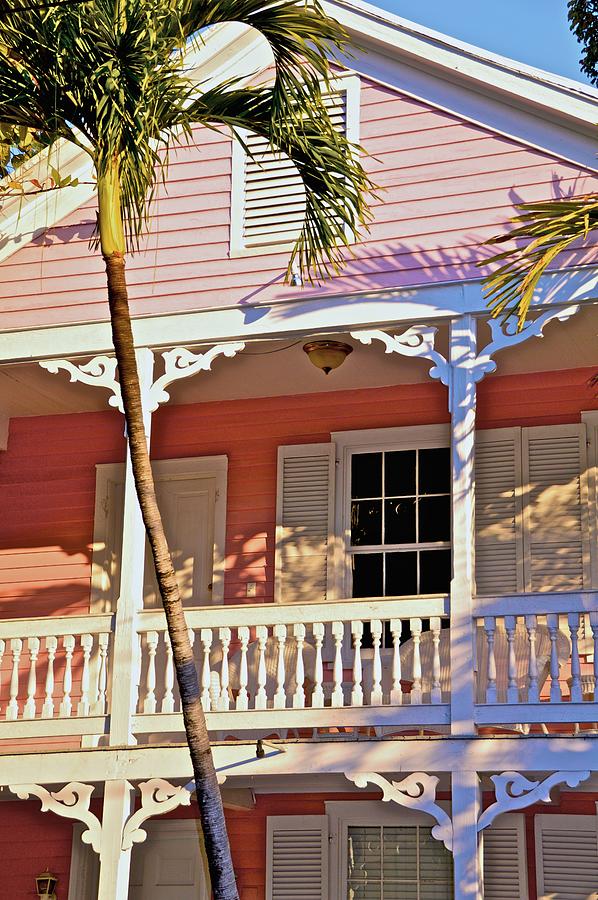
{"type": "Point", "coordinates": [125, 654]}
{"type": "Point", "coordinates": [115, 862]}
{"type": "Point", "coordinates": [467, 846]}
{"type": "Point", "coordinates": [462, 399]}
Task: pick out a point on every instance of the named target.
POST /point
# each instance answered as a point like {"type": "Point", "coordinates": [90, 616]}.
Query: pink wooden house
{"type": "Point", "coordinates": [391, 572]}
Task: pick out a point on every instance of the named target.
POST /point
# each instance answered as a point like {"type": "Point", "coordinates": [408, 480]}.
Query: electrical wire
{"type": "Point", "coordinates": [266, 352]}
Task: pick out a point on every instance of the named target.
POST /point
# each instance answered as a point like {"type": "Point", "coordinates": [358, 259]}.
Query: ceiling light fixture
{"type": "Point", "coordinates": [327, 355]}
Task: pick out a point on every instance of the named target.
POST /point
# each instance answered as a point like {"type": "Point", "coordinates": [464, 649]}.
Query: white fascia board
{"type": "Point", "coordinates": [291, 318]}
{"type": "Point", "coordinates": [529, 754]}
{"type": "Point", "coordinates": [571, 99]}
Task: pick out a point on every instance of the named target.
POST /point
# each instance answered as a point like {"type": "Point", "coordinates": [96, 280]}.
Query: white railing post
{"type": "Point", "coordinates": [84, 704]}
{"type": "Point", "coordinates": [125, 648]}
{"type": "Point", "coordinates": [33, 644]}
{"type": "Point", "coordinates": [12, 709]}
{"type": "Point", "coordinates": [48, 707]}
{"type": "Point", "coordinates": [338, 632]}
{"type": "Point", "coordinates": [462, 403]}
{"type": "Point", "coordinates": [317, 700]}
{"type": "Point", "coordinates": [533, 693]}
{"type": "Point", "coordinates": [396, 691]}
{"type": "Point", "coordinates": [225, 638]}
{"type": "Point", "coordinates": [376, 695]}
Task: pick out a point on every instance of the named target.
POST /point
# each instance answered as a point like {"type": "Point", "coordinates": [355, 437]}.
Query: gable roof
{"type": "Point", "coordinates": [536, 107]}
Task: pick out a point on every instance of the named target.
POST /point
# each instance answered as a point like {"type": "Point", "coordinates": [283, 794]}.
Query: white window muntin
{"type": "Point", "coordinates": [419, 437]}
{"type": "Point", "coordinates": [281, 241]}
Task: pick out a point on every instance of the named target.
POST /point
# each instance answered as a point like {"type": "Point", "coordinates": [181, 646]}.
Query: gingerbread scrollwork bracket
{"type": "Point", "coordinates": [182, 363]}
{"type": "Point", "coordinates": [418, 341]}
{"type": "Point", "coordinates": [71, 802]}
{"type": "Point", "coordinates": [157, 797]}
{"type": "Point", "coordinates": [98, 372]}
{"type": "Point", "coordinates": [506, 333]}
{"type": "Point", "coordinates": [514, 791]}
{"type": "Point", "coordinates": [418, 792]}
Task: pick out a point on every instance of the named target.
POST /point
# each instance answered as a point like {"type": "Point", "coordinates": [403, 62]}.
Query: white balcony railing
{"type": "Point", "coordinates": [382, 664]}
{"type": "Point", "coordinates": [56, 674]}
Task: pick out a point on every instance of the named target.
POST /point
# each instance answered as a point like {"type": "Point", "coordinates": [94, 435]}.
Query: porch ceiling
{"type": "Point", "coordinates": [278, 368]}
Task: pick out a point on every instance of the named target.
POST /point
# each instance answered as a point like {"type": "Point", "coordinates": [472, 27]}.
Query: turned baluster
{"type": "Point", "coordinates": [436, 690]}
{"type": "Point", "coordinates": [533, 691]}
{"type": "Point", "coordinates": [12, 710]}
{"type": "Point", "coordinates": [84, 704]}
{"type": "Point", "coordinates": [552, 621]}
{"type": "Point", "coordinates": [225, 637]}
{"type": "Point", "coordinates": [100, 707]}
{"type": "Point", "coordinates": [357, 689]}
{"type": "Point", "coordinates": [338, 633]}
{"type": "Point", "coordinates": [167, 705]}
{"type": "Point", "coordinates": [490, 632]}
{"type": "Point", "coordinates": [205, 636]}
{"type": "Point", "coordinates": [33, 645]}
{"type": "Point", "coordinates": [512, 690]}
{"type": "Point", "coordinates": [376, 695]}
{"type": "Point", "coordinates": [299, 696]}
{"type": "Point", "coordinates": [2, 649]}
{"type": "Point", "coordinates": [396, 691]}
{"type": "Point", "coordinates": [66, 705]}
{"type": "Point", "coordinates": [48, 707]}
{"type": "Point", "coordinates": [243, 696]}
{"type": "Point", "coordinates": [261, 698]}
{"type": "Point", "coordinates": [317, 700]}
{"type": "Point", "coordinates": [280, 635]}
{"type": "Point", "coordinates": [576, 691]}
{"type": "Point", "coordinates": [416, 687]}
{"type": "Point", "coordinates": [150, 703]}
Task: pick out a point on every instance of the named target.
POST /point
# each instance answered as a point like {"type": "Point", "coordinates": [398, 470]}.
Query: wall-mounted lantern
{"type": "Point", "coordinates": [46, 885]}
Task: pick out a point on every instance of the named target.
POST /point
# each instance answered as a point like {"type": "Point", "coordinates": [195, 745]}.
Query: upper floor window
{"type": "Point", "coordinates": [400, 522]}
{"type": "Point", "coordinates": [267, 195]}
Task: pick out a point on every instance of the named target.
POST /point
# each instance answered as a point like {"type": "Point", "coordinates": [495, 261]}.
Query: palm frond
{"type": "Point", "coordinates": [542, 232]}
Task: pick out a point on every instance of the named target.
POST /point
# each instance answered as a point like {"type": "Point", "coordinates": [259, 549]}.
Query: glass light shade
{"type": "Point", "coordinates": [327, 355]}
{"type": "Point", "coordinates": [46, 883]}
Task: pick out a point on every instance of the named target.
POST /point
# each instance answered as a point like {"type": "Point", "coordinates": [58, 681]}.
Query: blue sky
{"type": "Point", "coordinates": [532, 31]}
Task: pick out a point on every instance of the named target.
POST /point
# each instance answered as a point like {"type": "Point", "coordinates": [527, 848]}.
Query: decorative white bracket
{"type": "Point", "coordinates": [98, 372]}
{"type": "Point", "coordinates": [418, 341]}
{"type": "Point", "coordinates": [157, 797]}
{"type": "Point", "coordinates": [515, 791]}
{"type": "Point", "coordinates": [418, 792]}
{"type": "Point", "coordinates": [181, 363]}
{"type": "Point", "coordinates": [101, 371]}
{"type": "Point", "coordinates": [71, 802]}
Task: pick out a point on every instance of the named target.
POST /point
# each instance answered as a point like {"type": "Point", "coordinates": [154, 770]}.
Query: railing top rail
{"type": "Point", "coordinates": [55, 626]}
{"type": "Point", "coordinates": [536, 604]}
{"type": "Point", "coordinates": [274, 613]}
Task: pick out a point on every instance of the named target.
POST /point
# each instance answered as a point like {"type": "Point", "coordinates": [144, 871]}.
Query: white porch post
{"type": "Point", "coordinates": [467, 846]}
{"type": "Point", "coordinates": [462, 397]}
{"type": "Point", "coordinates": [114, 861]}
{"type": "Point", "coordinates": [125, 658]}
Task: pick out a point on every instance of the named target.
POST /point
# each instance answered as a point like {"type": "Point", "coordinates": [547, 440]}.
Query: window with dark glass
{"type": "Point", "coordinates": [400, 522]}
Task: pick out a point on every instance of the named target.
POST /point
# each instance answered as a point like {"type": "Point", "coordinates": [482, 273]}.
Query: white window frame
{"type": "Point", "coordinates": [375, 440]}
{"type": "Point", "coordinates": [351, 85]}
{"type": "Point", "coordinates": [342, 814]}
{"type": "Point", "coordinates": [110, 477]}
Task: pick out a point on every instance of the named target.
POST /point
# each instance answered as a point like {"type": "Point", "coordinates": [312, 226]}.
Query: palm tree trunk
{"type": "Point", "coordinates": [206, 783]}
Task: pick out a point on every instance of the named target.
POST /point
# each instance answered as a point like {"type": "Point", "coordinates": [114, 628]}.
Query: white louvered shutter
{"type": "Point", "coordinates": [273, 207]}
{"type": "Point", "coordinates": [499, 540]}
{"type": "Point", "coordinates": [304, 522]}
{"type": "Point", "coordinates": [297, 858]}
{"type": "Point", "coordinates": [505, 862]}
{"type": "Point", "coordinates": [556, 538]}
{"type": "Point", "coordinates": [567, 857]}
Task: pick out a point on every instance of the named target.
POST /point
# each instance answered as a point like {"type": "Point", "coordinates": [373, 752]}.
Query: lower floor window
{"type": "Point", "coordinates": [397, 863]}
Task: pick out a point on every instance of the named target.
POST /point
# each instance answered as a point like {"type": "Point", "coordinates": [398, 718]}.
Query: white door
{"type": "Point", "coordinates": [187, 506]}
{"type": "Point", "coordinates": [169, 864]}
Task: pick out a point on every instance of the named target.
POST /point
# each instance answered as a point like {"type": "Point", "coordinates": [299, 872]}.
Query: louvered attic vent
{"type": "Point", "coordinates": [268, 199]}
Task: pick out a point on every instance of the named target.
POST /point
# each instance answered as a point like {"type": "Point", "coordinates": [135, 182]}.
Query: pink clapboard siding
{"type": "Point", "coordinates": [47, 475]}
{"type": "Point", "coordinates": [446, 186]}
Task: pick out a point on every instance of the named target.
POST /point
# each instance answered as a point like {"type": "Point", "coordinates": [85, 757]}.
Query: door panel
{"type": "Point", "coordinates": [169, 864]}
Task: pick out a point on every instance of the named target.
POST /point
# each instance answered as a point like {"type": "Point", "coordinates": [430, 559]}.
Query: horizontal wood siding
{"type": "Point", "coordinates": [446, 186]}
{"type": "Point", "coordinates": [30, 843]}
{"type": "Point", "coordinates": [47, 475]}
